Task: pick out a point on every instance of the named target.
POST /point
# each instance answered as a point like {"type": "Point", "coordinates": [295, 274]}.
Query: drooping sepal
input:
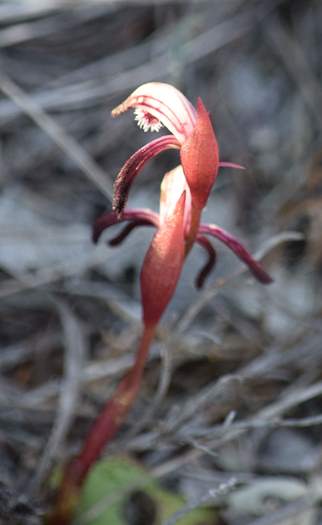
{"type": "Point", "coordinates": [210, 262]}
{"type": "Point", "coordinates": [231, 242]}
{"type": "Point", "coordinates": [126, 231]}
{"type": "Point", "coordinates": [136, 217]}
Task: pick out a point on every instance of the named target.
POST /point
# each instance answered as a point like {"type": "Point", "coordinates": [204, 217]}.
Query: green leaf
{"type": "Point", "coordinates": [119, 487]}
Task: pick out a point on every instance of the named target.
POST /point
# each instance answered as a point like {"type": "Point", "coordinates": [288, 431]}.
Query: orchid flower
{"type": "Point", "coordinates": [184, 194]}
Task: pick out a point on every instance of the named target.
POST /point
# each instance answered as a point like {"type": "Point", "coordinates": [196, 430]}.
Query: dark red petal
{"type": "Point", "coordinates": [133, 166]}
{"type": "Point", "coordinates": [104, 221]}
{"type": "Point", "coordinates": [229, 240]}
{"type": "Point", "coordinates": [210, 263]}
{"type": "Point", "coordinates": [163, 264]}
{"type": "Point", "coordinates": [110, 218]}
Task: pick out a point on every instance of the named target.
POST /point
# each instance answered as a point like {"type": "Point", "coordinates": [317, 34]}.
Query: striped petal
{"type": "Point", "coordinates": [161, 103]}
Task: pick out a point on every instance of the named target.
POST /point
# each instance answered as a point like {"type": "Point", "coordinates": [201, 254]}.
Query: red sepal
{"type": "Point", "coordinates": [138, 217]}
{"type": "Point", "coordinates": [200, 157]}
{"type": "Point", "coordinates": [229, 240]}
{"type": "Point", "coordinates": [163, 264]}
{"type": "Point", "coordinates": [210, 262]}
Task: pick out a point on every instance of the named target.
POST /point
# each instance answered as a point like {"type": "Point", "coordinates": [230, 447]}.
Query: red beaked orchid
{"type": "Point", "coordinates": [184, 194]}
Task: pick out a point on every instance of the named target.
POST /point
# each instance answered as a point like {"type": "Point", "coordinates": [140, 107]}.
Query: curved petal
{"type": "Point", "coordinates": [133, 166]}
{"type": "Point", "coordinates": [162, 265]}
{"type": "Point", "coordinates": [210, 263]}
{"type": "Point", "coordinates": [125, 232]}
{"type": "Point", "coordinates": [135, 215]}
{"type": "Point", "coordinates": [166, 104]}
{"type": "Point", "coordinates": [229, 240]}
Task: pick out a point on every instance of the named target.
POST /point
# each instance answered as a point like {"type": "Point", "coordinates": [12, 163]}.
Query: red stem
{"type": "Point", "coordinates": [101, 433]}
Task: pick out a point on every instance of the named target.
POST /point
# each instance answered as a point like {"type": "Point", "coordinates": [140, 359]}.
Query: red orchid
{"type": "Point", "coordinates": [184, 194]}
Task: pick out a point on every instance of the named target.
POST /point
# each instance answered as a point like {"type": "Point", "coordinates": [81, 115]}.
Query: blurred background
{"type": "Point", "coordinates": [234, 382]}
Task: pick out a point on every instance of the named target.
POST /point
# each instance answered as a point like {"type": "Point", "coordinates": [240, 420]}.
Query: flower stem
{"type": "Point", "coordinates": [101, 433]}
